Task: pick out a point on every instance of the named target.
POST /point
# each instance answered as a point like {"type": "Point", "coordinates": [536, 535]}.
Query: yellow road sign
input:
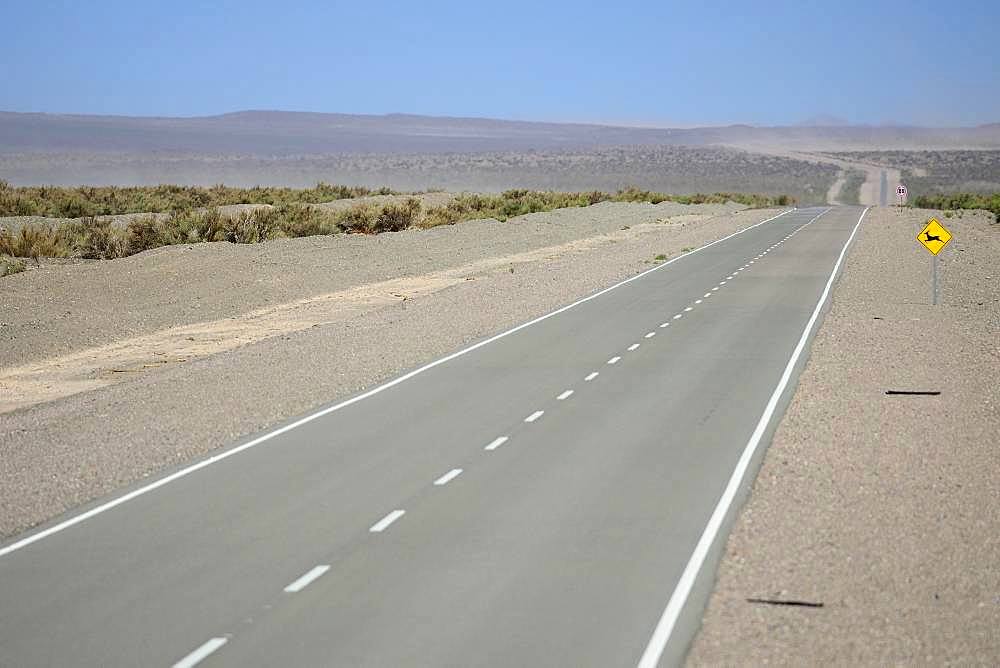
{"type": "Point", "coordinates": [934, 236]}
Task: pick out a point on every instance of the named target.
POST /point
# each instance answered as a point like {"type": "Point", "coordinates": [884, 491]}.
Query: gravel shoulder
{"type": "Point", "coordinates": [59, 454]}
{"type": "Point", "coordinates": [882, 508]}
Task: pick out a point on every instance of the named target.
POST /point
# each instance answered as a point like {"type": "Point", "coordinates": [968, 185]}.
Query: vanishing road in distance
{"type": "Point", "coordinates": [555, 495]}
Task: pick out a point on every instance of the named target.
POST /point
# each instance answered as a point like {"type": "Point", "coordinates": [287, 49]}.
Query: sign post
{"type": "Point", "coordinates": [901, 194]}
{"type": "Point", "coordinates": [934, 237]}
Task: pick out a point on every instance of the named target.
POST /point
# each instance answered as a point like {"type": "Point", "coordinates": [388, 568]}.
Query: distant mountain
{"type": "Point", "coordinates": [283, 133]}
{"type": "Point", "coordinates": [823, 121]}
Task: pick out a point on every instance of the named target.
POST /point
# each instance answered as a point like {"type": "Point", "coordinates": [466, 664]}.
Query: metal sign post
{"type": "Point", "coordinates": [934, 237]}
{"type": "Point", "coordinates": [934, 290]}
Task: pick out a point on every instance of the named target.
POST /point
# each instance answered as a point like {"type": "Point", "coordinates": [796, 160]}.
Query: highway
{"type": "Point", "coordinates": [555, 495]}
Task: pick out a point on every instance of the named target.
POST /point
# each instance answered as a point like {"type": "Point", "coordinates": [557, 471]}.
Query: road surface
{"type": "Point", "coordinates": [556, 495]}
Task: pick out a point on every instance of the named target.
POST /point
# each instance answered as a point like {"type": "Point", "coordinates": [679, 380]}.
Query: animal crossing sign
{"type": "Point", "coordinates": [934, 236]}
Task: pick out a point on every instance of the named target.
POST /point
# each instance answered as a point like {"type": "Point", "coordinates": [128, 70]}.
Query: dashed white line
{"type": "Point", "coordinates": [688, 309]}
{"type": "Point", "coordinates": [496, 443]}
{"type": "Point", "coordinates": [534, 416]}
{"type": "Point", "coordinates": [202, 653]}
{"type": "Point", "coordinates": [664, 324]}
{"type": "Point", "coordinates": [714, 289]}
{"type": "Point", "coordinates": [678, 316]}
{"type": "Point", "coordinates": [633, 347]}
{"type": "Point", "coordinates": [384, 523]}
{"type": "Point", "coordinates": [697, 301]}
{"type": "Point", "coordinates": [565, 395]}
{"type": "Point", "coordinates": [729, 278]}
{"type": "Point", "coordinates": [650, 335]}
{"type": "Point", "coordinates": [751, 261]}
{"type": "Point", "coordinates": [591, 376]}
{"type": "Point", "coordinates": [448, 477]}
{"type": "Point", "coordinates": [233, 451]}
{"type": "Point", "coordinates": [307, 579]}
{"type": "Point", "coordinates": [707, 294]}
{"type": "Point", "coordinates": [722, 282]}
{"type": "Point", "coordinates": [614, 360]}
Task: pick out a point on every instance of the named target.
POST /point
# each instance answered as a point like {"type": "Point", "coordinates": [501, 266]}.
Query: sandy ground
{"type": "Point", "coordinates": [885, 509]}
{"type": "Point", "coordinates": [278, 329]}
{"type": "Point", "coordinates": [97, 366]}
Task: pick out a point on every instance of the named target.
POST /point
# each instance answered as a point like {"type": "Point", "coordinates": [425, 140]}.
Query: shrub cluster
{"type": "Point", "coordinates": [101, 238]}
{"type": "Point", "coordinates": [519, 202]}
{"type": "Point", "coordinates": [989, 202]}
{"type": "Point", "coordinates": [85, 201]}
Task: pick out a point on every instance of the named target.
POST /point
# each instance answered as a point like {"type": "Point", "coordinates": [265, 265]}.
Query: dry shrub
{"type": "Point", "coordinates": [253, 227]}
{"type": "Point", "coordinates": [97, 239]}
{"type": "Point", "coordinates": [34, 241]}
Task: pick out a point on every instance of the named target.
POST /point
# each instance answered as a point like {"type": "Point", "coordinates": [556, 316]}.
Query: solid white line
{"type": "Point", "coordinates": [657, 643]}
{"type": "Point", "coordinates": [496, 443]}
{"type": "Point", "coordinates": [145, 489]}
{"type": "Point", "coordinates": [534, 416]}
{"type": "Point", "coordinates": [384, 523]}
{"type": "Point", "coordinates": [307, 579]}
{"type": "Point", "coordinates": [633, 347]}
{"type": "Point", "coordinates": [200, 654]}
{"type": "Point", "coordinates": [592, 375]}
{"type": "Point", "coordinates": [448, 477]}
{"type": "Point", "coordinates": [614, 360]}
{"type": "Point", "coordinates": [649, 335]}
{"type": "Point", "coordinates": [565, 395]}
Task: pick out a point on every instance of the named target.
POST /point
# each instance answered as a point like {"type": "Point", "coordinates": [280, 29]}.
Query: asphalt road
{"type": "Point", "coordinates": [553, 496]}
{"type": "Point", "coordinates": [883, 196]}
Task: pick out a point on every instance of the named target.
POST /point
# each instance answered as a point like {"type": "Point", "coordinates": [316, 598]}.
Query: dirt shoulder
{"type": "Point", "coordinates": [882, 508]}
{"type": "Point", "coordinates": [278, 328]}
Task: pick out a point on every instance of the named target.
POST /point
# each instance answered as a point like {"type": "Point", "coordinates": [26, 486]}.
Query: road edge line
{"type": "Point", "coordinates": [665, 626]}
{"type": "Point", "coordinates": [104, 507]}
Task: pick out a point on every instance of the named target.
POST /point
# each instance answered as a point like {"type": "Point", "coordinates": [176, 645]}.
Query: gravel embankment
{"type": "Point", "coordinates": [885, 509]}
{"type": "Point", "coordinates": [56, 455]}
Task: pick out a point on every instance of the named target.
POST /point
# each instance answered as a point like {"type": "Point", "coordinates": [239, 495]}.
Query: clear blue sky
{"type": "Point", "coordinates": [685, 63]}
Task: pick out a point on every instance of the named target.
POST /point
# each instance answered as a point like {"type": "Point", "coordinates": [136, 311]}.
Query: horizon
{"type": "Point", "coordinates": [644, 65]}
{"type": "Point", "coordinates": [804, 123]}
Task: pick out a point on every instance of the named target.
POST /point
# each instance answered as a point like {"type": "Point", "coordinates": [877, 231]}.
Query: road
{"type": "Point", "coordinates": [555, 495]}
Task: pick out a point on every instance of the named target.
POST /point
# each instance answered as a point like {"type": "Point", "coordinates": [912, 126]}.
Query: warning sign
{"type": "Point", "coordinates": [934, 236]}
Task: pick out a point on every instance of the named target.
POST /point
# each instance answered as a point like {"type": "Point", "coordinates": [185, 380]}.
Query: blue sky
{"type": "Point", "coordinates": [665, 63]}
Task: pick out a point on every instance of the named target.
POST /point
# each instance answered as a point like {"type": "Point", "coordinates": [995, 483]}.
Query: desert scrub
{"type": "Point", "coordinates": [514, 203]}
{"type": "Point", "coordinates": [34, 241]}
{"type": "Point", "coordinates": [103, 239]}
{"type": "Point", "coordinates": [83, 201]}
{"type": "Point", "coordinates": [11, 265]}
{"type": "Point", "coordinates": [989, 202]}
